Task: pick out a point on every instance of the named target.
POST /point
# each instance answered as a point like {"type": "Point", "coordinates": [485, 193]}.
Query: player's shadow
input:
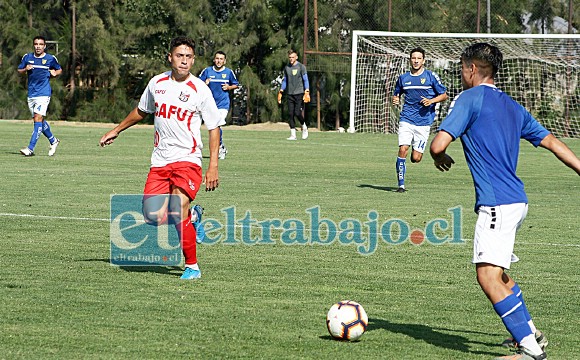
{"type": "Point", "coordinates": [377, 187]}
{"type": "Point", "coordinates": [158, 269]}
{"type": "Point", "coordinates": [439, 337]}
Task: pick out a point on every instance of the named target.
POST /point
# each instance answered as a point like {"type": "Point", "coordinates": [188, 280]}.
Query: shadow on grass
{"type": "Point", "coordinates": [158, 269]}
{"type": "Point", "coordinates": [376, 187]}
{"type": "Point", "coordinates": [431, 336]}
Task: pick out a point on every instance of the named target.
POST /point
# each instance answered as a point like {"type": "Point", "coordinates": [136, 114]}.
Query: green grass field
{"type": "Point", "coordinates": [62, 299]}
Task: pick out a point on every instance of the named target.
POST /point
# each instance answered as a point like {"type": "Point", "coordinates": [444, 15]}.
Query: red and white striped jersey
{"type": "Point", "coordinates": [179, 108]}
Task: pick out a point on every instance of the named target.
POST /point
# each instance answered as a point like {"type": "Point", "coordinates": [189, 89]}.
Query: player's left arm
{"type": "Point", "coordinates": [211, 178]}
{"type": "Point", "coordinates": [233, 81]}
{"type": "Point", "coordinates": [55, 69]}
{"type": "Point", "coordinates": [562, 152]}
{"type": "Point", "coordinates": [55, 72]}
{"type": "Point", "coordinates": [439, 89]}
{"type": "Point", "coordinates": [435, 100]}
{"type": "Point", "coordinates": [306, 97]}
{"type": "Point", "coordinates": [438, 148]}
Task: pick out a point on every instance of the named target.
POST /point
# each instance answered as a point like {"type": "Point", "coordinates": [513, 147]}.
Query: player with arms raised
{"type": "Point", "coordinates": [179, 102]}
{"type": "Point", "coordinates": [422, 90]}
{"type": "Point", "coordinates": [490, 125]}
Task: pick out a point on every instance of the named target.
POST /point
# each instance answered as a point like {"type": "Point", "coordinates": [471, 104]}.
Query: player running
{"type": "Point", "coordinates": [422, 89]}
{"type": "Point", "coordinates": [179, 102]}
{"type": "Point", "coordinates": [490, 125]}
{"type": "Point", "coordinates": [220, 80]}
{"type": "Point", "coordinates": [40, 67]}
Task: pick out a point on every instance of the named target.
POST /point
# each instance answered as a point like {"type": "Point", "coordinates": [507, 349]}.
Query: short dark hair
{"type": "Point", "coordinates": [419, 50]}
{"type": "Point", "coordinates": [292, 51]}
{"type": "Point", "coordinates": [488, 57]}
{"type": "Point", "coordinates": [219, 52]}
{"type": "Point", "coordinates": [182, 40]}
{"type": "Point", "coordinates": [39, 38]}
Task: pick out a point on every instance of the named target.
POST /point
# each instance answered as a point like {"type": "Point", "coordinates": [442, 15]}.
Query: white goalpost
{"type": "Point", "coordinates": [541, 72]}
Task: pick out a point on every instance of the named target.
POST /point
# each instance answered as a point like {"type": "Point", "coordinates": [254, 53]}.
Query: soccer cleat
{"type": "Point", "coordinates": [199, 229]}
{"type": "Point", "coordinates": [401, 190]}
{"type": "Point", "coordinates": [27, 152]}
{"type": "Point", "coordinates": [291, 138]}
{"type": "Point", "coordinates": [53, 147]}
{"type": "Point", "coordinates": [523, 354]}
{"type": "Point", "coordinates": [190, 274]}
{"type": "Point", "coordinates": [540, 339]}
{"type": "Point", "coordinates": [223, 152]}
{"type": "Point", "coordinates": [304, 133]}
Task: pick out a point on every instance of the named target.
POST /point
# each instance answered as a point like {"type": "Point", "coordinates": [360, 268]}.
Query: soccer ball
{"type": "Point", "coordinates": [346, 320]}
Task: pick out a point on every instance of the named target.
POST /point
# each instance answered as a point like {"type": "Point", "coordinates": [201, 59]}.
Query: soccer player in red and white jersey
{"type": "Point", "coordinates": [179, 102]}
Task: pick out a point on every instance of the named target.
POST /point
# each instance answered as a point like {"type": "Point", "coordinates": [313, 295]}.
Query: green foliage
{"type": "Point", "coordinates": [121, 44]}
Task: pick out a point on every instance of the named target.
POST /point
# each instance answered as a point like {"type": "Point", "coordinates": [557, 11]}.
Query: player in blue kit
{"type": "Point", "coordinates": [220, 80]}
{"type": "Point", "coordinates": [40, 67]}
{"type": "Point", "coordinates": [490, 125]}
{"type": "Point", "coordinates": [422, 89]}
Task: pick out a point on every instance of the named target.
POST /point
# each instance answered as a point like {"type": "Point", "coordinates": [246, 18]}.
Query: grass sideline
{"type": "Point", "coordinates": [62, 299]}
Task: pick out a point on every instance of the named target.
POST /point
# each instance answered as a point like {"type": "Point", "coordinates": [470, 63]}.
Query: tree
{"type": "Point", "coordinates": [543, 14]}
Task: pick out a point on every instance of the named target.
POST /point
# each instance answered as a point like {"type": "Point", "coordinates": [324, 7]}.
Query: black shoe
{"type": "Point", "coordinates": [401, 190]}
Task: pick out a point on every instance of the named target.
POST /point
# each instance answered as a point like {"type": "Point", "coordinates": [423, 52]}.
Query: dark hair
{"type": "Point", "coordinates": [219, 52]}
{"type": "Point", "coordinates": [419, 50]}
{"type": "Point", "coordinates": [292, 51]}
{"type": "Point", "coordinates": [488, 57]}
{"type": "Point", "coordinates": [39, 38]}
{"type": "Point", "coordinates": [182, 40]}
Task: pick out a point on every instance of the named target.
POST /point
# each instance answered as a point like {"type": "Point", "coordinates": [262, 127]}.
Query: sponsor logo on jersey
{"type": "Point", "coordinates": [160, 91]}
{"type": "Point", "coordinates": [43, 62]}
{"type": "Point", "coordinates": [183, 97]}
{"type": "Point", "coordinates": [167, 111]}
{"type": "Point", "coordinates": [423, 81]}
{"type": "Point", "coordinates": [224, 76]}
{"type": "Point", "coordinates": [294, 72]}
{"type": "Point", "coordinates": [407, 83]}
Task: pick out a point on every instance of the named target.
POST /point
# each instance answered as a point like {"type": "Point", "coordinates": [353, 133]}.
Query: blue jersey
{"type": "Point", "coordinates": [216, 80]}
{"type": "Point", "coordinates": [39, 76]}
{"type": "Point", "coordinates": [415, 87]}
{"type": "Point", "coordinates": [490, 125]}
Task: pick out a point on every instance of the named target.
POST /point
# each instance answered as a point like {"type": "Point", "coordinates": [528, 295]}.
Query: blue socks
{"type": "Point", "coordinates": [401, 169]}
{"type": "Point", "coordinates": [35, 135]}
{"type": "Point", "coordinates": [46, 131]}
{"type": "Point", "coordinates": [511, 311]}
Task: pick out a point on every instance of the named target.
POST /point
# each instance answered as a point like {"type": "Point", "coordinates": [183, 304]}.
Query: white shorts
{"type": "Point", "coordinates": [223, 114]}
{"type": "Point", "coordinates": [38, 105]}
{"type": "Point", "coordinates": [495, 233]}
{"type": "Point", "coordinates": [417, 136]}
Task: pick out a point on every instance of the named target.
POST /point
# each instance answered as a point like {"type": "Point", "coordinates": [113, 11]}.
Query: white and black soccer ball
{"type": "Point", "coordinates": [346, 320]}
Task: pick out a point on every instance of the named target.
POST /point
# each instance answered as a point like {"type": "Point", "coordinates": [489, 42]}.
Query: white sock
{"type": "Point", "coordinates": [293, 132]}
{"type": "Point", "coordinates": [194, 266]}
{"type": "Point", "coordinates": [532, 326]}
{"type": "Point", "coordinates": [304, 127]}
{"type": "Point", "coordinates": [530, 343]}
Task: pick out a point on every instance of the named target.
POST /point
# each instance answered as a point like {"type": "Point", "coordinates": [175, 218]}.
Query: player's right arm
{"type": "Point", "coordinates": [24, 66]}
{"type": "Point", "coordinates": [398, 91]}
{"type": "Point", "coordinates": [438, 148]}
{"type": "Point", "coordinates": [133, 118]}
{"type": "Point", "coordinates": [562, 152]}
{"type": "Point", "coordinates": [282, 88]}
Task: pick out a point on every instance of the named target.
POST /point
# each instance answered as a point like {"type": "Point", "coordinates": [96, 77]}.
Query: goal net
{"type": "Point", "coordinates": [541, 72]}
